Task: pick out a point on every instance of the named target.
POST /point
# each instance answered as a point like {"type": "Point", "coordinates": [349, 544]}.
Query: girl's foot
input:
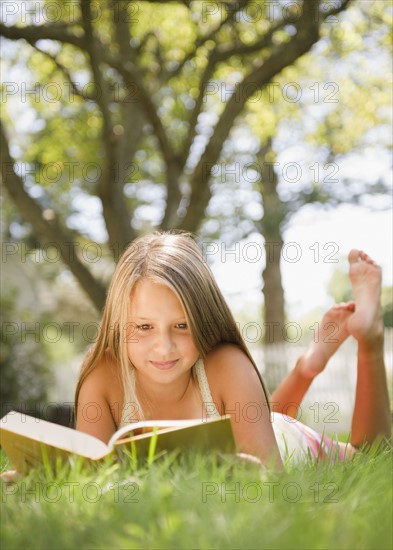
{"type": "Point", "coordinates": [332, 331]}
{"type": "Point", "coordinates": [371, 416]}
{"type": "Point", "coordinates": [366, 324]}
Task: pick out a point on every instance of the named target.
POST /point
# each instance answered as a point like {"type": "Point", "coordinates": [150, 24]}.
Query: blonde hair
{"type": "Point", "coordinates": [174, 260]}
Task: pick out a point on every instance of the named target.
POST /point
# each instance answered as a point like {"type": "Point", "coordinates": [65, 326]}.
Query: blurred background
{"type": "Point", "coordinates": [262, 127]}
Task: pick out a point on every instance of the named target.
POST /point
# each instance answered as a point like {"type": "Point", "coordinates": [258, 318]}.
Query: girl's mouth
{"type": "Point", "coordinates": [164, 365]}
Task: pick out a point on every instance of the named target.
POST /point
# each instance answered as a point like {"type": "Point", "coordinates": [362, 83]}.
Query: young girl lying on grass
{"type": "Point", "coordinates": [169, 348]}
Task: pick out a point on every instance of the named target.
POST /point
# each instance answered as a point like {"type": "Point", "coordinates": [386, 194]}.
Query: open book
{"type": "Point", "coordinates": [26, 439]}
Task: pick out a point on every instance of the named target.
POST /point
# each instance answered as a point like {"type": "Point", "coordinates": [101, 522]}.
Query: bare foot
{"type": "Point", "coordinates": [332, 331]}
{"type": "Point", "coordinates": [366, 323]}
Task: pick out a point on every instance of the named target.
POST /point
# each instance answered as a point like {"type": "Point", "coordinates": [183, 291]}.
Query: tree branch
{"type": "Point", "coordinates": [215, 57]}
{"type": "Point", "coordinates": [103, 99]}
{"type": "Point", "coordinates": [55, 31]}
{"type": "Point", "coordinates": [65, 71]}
{"type": "Point", "coordinates": [133, 80]}
{"type": "Point", "coordinates": [110, 188]}
{"type": "Point", "coordinates": [334, 11]}
{"type": "Point", "coordinates": [192, 123]}
{"type": "Point", "coordinates": [48, 231]}
{"type": "Point", "coordinates": [210, 36]}
{"type": "Point", "coordinates": [122, 34]}
{"type": "Point", "coordinates": [283, 56]}
{"type": "Point", "coordinates": [242, 49]}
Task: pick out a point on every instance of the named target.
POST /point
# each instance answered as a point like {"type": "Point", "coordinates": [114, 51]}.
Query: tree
{"type": "Point", "coordinates": [146, 89]}
{"type": "Point", "coordinates": [328, 140]}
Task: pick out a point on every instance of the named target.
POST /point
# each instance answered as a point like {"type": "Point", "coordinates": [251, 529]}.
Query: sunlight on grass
{"type": "Point", "coordinates": [197, 501]}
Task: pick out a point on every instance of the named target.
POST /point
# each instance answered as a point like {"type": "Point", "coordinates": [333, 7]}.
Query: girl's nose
{"type": "Point", "coordinates": [164, 343]}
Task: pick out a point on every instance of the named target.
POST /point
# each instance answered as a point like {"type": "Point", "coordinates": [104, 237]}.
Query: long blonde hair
{"type": "Point", "coordinates": [172, 259]}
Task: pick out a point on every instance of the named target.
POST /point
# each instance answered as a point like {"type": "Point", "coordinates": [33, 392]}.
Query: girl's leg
{"type": "Point", "coordinates": [371, 417]}
{"type": "Point", "coordinates": [331, 334]}
{"type": "Point", "coordinates": [363, 320]}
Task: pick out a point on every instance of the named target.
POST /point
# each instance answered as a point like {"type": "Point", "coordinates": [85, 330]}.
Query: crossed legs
{"type": "Point", "coordinates": [361, 319]}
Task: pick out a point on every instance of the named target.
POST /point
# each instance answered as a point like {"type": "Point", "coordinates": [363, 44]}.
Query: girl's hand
{"type": "Point", "coordinates": [9, 476]}
{"type": "Point", "coordinates": [249, 458]}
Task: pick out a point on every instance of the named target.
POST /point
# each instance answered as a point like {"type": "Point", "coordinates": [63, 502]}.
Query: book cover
{"type": "Point", "coordinates": [26, 440]}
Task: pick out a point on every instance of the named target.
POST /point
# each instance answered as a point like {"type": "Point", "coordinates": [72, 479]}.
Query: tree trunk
{"type": "Point", "coordinates": [273, 292]}
{"type": "Point", "coordinates": [270, 227]}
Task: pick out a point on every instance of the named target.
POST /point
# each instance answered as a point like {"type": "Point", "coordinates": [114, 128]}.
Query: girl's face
{"type": "Point", "coordinates": [159, 344]}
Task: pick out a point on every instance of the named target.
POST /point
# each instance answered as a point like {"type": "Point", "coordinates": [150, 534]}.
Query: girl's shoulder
{"type": "Point", "coordinates": [229, 365]}
{"type": "Point", "coordinates": [227, 356]}
{"type": "Point", "coordinates": [105, 376]}
{"type": "Point", "coordinates": [100, 398]}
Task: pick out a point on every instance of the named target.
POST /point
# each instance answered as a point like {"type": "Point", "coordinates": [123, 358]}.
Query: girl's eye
{"type": "Point", "coordinates": [182, 325]}
{"type": "Point", "coordinates": [144, 327]}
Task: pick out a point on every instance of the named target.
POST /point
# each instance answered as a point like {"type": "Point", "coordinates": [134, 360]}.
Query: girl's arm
{"type": "Point", "coordinates": [94, 414]}
{"type": "Point", "coordinates": [238, 391]}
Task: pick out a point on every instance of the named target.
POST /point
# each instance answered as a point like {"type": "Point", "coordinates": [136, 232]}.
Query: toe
{"type": "Point", "coordinates": [367, 258]}
{"type": "Point", "coordinates": [354, 255]}
{"type": "Point", "coordinates": [348, 306]}
{"type": "Point", "coordinates": [363, 256]}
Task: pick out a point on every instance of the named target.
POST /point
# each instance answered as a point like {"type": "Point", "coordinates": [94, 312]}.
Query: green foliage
{"type": "Point", "coordinates": [24, 363]}
{"type": "Point", "coordinates": [46, 321]}
{"type": "Point", "coordinates": [200, 501]}
{"type": "Point", "coordinates": [170, 47]}
{"type": "Point", "coordinates": [74, 137]}
{"type": "Point", "coordinates": [339, 286]}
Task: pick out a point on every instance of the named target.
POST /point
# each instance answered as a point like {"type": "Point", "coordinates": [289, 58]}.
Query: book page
{"type": "Point", "coordinates": [53, 434]}
{"type": "Point", "coordinates": [138, 427]}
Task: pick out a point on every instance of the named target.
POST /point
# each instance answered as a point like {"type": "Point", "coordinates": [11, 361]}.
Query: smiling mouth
{"type": "Point", "coordinates": [164, 365]}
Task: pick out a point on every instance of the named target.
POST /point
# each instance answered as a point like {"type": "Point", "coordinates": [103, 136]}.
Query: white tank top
{"type": "Point", "coordinates": [295, 440]}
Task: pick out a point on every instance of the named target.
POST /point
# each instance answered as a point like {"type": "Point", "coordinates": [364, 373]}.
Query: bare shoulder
{"type": "Point", "coordinates": [232, 376]}
{"type": "Point", "coordinates": [104, 371]}
{"type": "Point", "coordinates": [228, 363]}
{"type": "Point", "coordinates": [100, 400]}
{"type": "Point", "coordinates": [104, 380]}
{"type": "Point", "coordinates": [237, 388]}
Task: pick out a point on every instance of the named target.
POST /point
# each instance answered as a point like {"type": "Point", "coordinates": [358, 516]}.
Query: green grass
{"type": "Point", "coordinates": [197, 501]}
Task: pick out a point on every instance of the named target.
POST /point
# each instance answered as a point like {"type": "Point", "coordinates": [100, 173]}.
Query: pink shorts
{"type": "Point", "coordinates": [297, 440]}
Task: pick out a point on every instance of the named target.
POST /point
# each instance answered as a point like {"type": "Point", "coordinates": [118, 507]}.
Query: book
{"type": "Point", "coordinates": [26, 440]}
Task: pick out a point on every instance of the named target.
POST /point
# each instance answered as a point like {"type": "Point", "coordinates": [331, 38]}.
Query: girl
{"type": "Point", "coordinates": [169, 348]}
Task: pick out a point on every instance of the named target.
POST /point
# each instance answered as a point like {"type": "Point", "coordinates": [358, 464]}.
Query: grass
{"type": "Point", "coordinates": [198, 501]}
